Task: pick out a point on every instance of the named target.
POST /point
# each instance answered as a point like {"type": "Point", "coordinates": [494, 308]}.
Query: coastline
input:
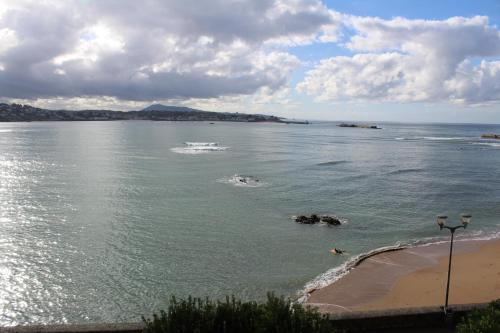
{"type": "Point", "coordinates": [415, 276]}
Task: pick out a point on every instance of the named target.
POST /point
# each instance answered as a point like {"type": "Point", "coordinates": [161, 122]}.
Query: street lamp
{"type": "Point", "coordinates": [441, 221]}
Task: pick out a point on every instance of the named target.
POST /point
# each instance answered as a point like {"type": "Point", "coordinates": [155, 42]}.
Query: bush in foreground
{"type": "Point", "coordinates": [276, 315]}
{"type": "Point", "coordinates": [482, 321]}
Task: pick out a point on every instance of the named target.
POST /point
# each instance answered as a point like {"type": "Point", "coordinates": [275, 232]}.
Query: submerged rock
{"type": "Point", "coordinates": [242, 180]}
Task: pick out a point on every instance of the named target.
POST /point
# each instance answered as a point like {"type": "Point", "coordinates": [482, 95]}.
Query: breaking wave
{"type": "Point", "coordinates": [331, 163]}
{"type": "Point", "coordinates": [441, 138]}
{"type": "Point", "coordinates": [201, 144]}
{"type": "Point", "coordinates": [490, 144]}
{"type": "Point", "coordinates": [434, 138]}
{"type": "Point", "coordinates": [198, 148]}
{"type": "Point", "coordinates": [336, 273]}
{"type": "Point", "coordinates": [400, 171]}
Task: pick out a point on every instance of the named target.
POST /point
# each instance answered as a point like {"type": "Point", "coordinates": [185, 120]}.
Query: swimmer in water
{"type": "Point", "coordinates": [336, 251]}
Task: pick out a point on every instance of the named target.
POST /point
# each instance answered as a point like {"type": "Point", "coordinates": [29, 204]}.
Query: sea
{"type": "Point", "coordinates": [106, 221]}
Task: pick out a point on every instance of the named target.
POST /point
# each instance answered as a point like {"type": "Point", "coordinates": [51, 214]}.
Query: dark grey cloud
{"type": "Point", "coordinates": [152, 49]}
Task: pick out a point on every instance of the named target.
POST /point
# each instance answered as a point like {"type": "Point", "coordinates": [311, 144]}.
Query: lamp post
{"type": "Point", "coordinates": [441, 221]}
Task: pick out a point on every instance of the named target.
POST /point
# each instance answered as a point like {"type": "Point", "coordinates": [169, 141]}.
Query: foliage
{"type": "Point", "coordinates": [276, 315]}
{"type": "Point", "coordinates": [482, 321]}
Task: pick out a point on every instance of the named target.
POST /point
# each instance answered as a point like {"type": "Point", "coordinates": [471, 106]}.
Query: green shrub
{"type": "Point", "coordinates": [482, 321]}
{"type": "Point", "coordinates": [276, 315]}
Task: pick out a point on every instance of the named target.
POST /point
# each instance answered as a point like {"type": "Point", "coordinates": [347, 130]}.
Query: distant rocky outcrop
{"type": "Point", "coordinates": [491, 136]}
{"type": "Point", "coordinates": [359, 126]}
{"type": "Point", "coordinates": [157, 112]}
{"type": "Point", "coordinates": [314, 218]}
{"type": "Point", "coordinates": [294, 121]}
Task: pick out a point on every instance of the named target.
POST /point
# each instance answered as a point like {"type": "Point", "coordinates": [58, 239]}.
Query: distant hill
{"type": "Point", "coordinates": [158, 112]}
{"type": "Point", "coordinates": [170, 108]}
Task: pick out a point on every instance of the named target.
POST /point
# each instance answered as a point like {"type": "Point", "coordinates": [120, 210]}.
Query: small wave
{"type": "Point", "coordinates": [490, 144]}
{"type": "Point", "coordinates": [331, 163]}
{"type": "Point", "coordinates": [338, 272]}
{"type": "Point", "coordinates": [441, 138]}
{"type": "Point", "coordinates": [434, 138]}
{"type": "Point", "coordinates": [198, 148]}
{"type": "Point", "coordinates": [243, 181]}
{"type": "Point", "coordinates": [400, 171]}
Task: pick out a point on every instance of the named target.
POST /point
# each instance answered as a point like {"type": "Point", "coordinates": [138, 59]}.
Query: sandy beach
{"type": "Point", "coordinates": [415, 277]}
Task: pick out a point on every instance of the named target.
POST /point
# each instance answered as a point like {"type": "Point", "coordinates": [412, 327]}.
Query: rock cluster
{"type": "Point", "coordinates": [359, 126]}
{"type": "Point", "coordinates": [313, 219]}
{"type": "Point", "coordinates": [491, 136]}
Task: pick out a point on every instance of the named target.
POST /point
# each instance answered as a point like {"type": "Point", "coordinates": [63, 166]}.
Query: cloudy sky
{"type": "Point", "coordinates": [424, 60]}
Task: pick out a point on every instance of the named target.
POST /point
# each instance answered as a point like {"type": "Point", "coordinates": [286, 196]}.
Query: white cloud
{"type": "Point", "coordinates": [153, 49]}
{"type": "Point", "coordinates": [475, 84]}
{"type": "Point", "coordinates": [229, 51]}
{"type": "Point", "coordinates": [8, 40]}
{"type": "Point", "coordinates": [412, 60]}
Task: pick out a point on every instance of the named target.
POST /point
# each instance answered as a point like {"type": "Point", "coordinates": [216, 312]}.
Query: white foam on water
{"type": "Point", "coordinates": [336, 273]}
{"type": "Point", "coordinates": [434, 138]}
{"type": "Point", "coordinates": [491, 144]}
{"type": "Point", "coordinates": [194, 148]}
{"type": "Point", "coordinates": [201, 144]}
{"type": "Point", "coordinates": [439, 138]}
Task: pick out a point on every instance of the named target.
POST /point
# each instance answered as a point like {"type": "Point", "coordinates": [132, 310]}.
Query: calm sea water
{"type": "Point", "coordinates": [104, 221]}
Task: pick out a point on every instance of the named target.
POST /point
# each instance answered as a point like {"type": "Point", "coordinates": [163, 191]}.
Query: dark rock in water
{"type": "Point", "coordinates": [313, 219]}
{"type": "Point", "coordinates": [303, 219]}
{"type": "Point", "coordinates": [358, 126]}
{"type": "Point", "coordinates": [330, 220]}
{"type": "Point", "coordinates": [491, 136]}
{"type": "Point", "coordinates": [307, 219]}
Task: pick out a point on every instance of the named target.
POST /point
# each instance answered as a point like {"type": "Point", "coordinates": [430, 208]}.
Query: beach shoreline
{"type": "Point", "coordinates": [415, 276]}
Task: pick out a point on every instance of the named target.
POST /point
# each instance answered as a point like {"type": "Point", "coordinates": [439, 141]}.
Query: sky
{"type": "Point", "coordinates": [360, 60]}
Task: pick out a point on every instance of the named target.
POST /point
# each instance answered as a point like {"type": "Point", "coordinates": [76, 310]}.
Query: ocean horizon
{"type": "Point", "coordinates": [105, 221]}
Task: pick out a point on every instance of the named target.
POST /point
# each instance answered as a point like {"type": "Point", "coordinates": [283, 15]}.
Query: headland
{"type": "Point", "coordinates": [26, 113]}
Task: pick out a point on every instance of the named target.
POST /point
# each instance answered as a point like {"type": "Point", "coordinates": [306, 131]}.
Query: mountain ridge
{"type": "Point", "coordinates": [23, 113]}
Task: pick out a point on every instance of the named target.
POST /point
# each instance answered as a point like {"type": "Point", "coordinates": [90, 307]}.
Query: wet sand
{"type": "Point", "coordinates": [416, 277]}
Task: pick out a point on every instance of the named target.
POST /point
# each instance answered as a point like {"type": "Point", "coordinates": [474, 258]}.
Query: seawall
{"type": "Point", "coordinates": [424, 319]}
